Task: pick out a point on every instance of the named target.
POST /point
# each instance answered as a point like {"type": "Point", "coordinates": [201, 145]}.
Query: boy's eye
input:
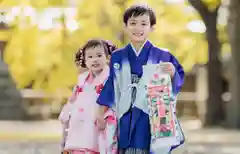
{"type": "Point", "coordinates": [99, 55]}
{"type": "Point", "coordinates": [144, 24]}
{"type": "Point", "coordinates": [90, 56]}
{"type": "Point", "coordinates": [132, 23]}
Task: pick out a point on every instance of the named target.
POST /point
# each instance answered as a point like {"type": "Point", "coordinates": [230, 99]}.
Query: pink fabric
{"type": "Point", "coordinates": [84, 152]}
{"type": "Point", "coordinates": [108, 138]}
{"type": "Point", "coordinates": [65, 113]}
{"type": "Point", "coordinates": [82, 113]}
{"type": "Point", "coordinates": [161, 110]}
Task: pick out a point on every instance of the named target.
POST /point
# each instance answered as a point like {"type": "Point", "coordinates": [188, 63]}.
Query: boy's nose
{"type": "Point", "coordinates": [138, 29]}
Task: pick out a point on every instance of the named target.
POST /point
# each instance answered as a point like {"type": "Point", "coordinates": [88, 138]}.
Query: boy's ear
{"type": "Point", "coordinates": [153, 27]}
{"type": "Point", "coordinates": [125, 28]}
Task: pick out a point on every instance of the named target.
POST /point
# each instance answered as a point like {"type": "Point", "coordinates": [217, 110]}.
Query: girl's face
{"type": "Point", "coordinates": [95, 59]}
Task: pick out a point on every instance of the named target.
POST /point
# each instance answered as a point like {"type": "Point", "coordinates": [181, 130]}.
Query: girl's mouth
{"type": "Point", "coordinates": [95, 65]}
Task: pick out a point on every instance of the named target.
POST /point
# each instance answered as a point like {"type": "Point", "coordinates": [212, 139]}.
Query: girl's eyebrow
{"type": "Point", "coordinates": [100, 52]}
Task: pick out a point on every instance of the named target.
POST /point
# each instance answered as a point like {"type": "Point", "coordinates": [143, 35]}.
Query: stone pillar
{"type": "Point", "coordinates": [11, 107]}
{"type": "Point", "coordinates": [201, 92]}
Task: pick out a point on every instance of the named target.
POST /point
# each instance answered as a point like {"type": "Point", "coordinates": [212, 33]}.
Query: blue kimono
{"type": "Point", "coordinates": [125, 65]}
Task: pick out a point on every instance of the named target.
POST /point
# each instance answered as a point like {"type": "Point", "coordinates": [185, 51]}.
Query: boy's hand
{"type": "Point", "coordinates": [167, 67]}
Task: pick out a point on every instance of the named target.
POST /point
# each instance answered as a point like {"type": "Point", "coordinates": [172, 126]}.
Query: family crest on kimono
{"type": "Point", "coordinates": [81, 134]}
{"type": "Point", "coordinates": [128, 89]}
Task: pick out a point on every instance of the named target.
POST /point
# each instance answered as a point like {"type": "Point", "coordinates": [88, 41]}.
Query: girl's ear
{"type": "Point", "coordinates": [108, 59]}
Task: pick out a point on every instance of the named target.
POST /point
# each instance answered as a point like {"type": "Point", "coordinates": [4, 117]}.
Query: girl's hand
{"type": "Point", "coordinates": [75, 93]}
{"type": "Point", "coordinates": [168, 68]}
{"type": "Point", "coordinates": [72, 98]}
{"type": "Point", "coordinates": [101, 123]}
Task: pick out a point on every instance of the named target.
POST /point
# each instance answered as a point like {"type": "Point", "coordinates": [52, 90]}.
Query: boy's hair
{"type": "Point", "coordinates": [139, 10]}
{"type": "Point", "coordinates": [80, 55]}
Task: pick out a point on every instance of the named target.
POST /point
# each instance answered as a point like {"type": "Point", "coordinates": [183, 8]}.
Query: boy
{"type": "Point", "coordinates": [126, 68]}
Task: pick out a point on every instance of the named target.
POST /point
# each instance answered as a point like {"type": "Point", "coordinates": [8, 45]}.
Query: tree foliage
{"type": "Point", "coordinates": [44, 58]}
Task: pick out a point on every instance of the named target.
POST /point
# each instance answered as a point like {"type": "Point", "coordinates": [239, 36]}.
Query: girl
{"type": "Point", "coordinates": [80, 113]}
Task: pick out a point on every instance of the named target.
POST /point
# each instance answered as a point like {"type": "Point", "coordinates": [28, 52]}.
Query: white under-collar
{"type": "Point", "coordinates": [140, 50]}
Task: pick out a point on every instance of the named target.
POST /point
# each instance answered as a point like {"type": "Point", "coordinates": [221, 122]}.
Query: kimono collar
{"type": "Point", "coordinates": [99, 79]}
{"type": "Point", "coordinates": [140, 50]}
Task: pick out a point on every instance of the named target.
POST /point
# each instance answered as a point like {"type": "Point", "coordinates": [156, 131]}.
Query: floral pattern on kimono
{"type": "Point", "coordinates": [82, 133]}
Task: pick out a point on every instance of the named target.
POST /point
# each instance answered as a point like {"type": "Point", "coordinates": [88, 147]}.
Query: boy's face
{"type": "Point", "coordinates": [138, 28]}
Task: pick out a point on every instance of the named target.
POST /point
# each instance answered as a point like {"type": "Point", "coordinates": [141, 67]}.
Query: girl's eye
{"type": "Point", "coordinates": [144, 24]}
{"type": "Point", "coordinates": [132, 23]}
{"type": "Point", "coordinates": [99, 55]}
{"type": "Point", "coordinates": [90, 56]}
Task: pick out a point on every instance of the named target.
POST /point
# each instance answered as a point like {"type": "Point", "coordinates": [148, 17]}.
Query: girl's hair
{"type": "Point", "coordinates": [80, 55]}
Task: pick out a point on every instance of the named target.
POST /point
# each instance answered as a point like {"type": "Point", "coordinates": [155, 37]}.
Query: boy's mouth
{"type": "Point", "coordinates": [138, 34]}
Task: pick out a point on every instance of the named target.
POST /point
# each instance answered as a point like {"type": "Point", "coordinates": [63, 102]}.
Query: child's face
{"type": "Point", "coordinates": [138, 28]}
{"type": "Point", "coordinates": [95, 59]}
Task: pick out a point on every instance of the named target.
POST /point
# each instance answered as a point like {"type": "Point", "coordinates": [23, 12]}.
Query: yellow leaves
{"type": "Point", "coordinates": [20, 55]}
{"type": "Point", "coordinates": [48, 3]}
{"type": "Point", "coordinates": [10, 3]}
{"type": "Point", "coordinates": [188, 63]}
{"type": "Point", "coordinates": [226, 50]}
{"type": "Point", "coordinates": [91, 9]}
{"type": "Point", "coordinates": [171, 33]}
{"type": "Point", "coordinates": [201, 50]}
{"type": "Point", "coordinates": [212, 4]}
{"type": "Point", "coordinates": [5, 35]}
{"type": "Point", "coordinates": [38, 56]}
{"type": "Point", "coordinates": [46, 58]}
{"type": "Point", "coordinates": [34, 3]}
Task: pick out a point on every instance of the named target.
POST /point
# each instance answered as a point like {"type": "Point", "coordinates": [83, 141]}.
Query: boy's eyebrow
{"type": "Point", "coordinates": [145, 21]}
{"type": "Point", "coordinates": [132, 20]}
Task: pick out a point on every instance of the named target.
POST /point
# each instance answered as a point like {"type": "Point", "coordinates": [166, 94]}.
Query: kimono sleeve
{"type": "Point", "coordinates": [106, 97]}
{"type": "Point", "coordinates": [65, 113]}
{"type": "Point", "coordinates": [178, 78]}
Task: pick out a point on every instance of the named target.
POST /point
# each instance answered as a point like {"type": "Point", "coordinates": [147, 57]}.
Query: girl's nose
{"type": "Point", "coordinates": [94, 59]}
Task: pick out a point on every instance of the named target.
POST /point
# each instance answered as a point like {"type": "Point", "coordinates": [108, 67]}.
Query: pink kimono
{"type": "Point", "coordinates": [108, 137]}
{"type": "Point", "coordinates": [80, 116]}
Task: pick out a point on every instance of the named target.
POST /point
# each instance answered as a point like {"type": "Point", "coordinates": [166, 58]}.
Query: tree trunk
{"type": "Point", "coordinates": [214, 113]}
{"type": "Point", "coordinates": [233, 114]}
{"type": "Point", "coordinates": [214, 107]}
